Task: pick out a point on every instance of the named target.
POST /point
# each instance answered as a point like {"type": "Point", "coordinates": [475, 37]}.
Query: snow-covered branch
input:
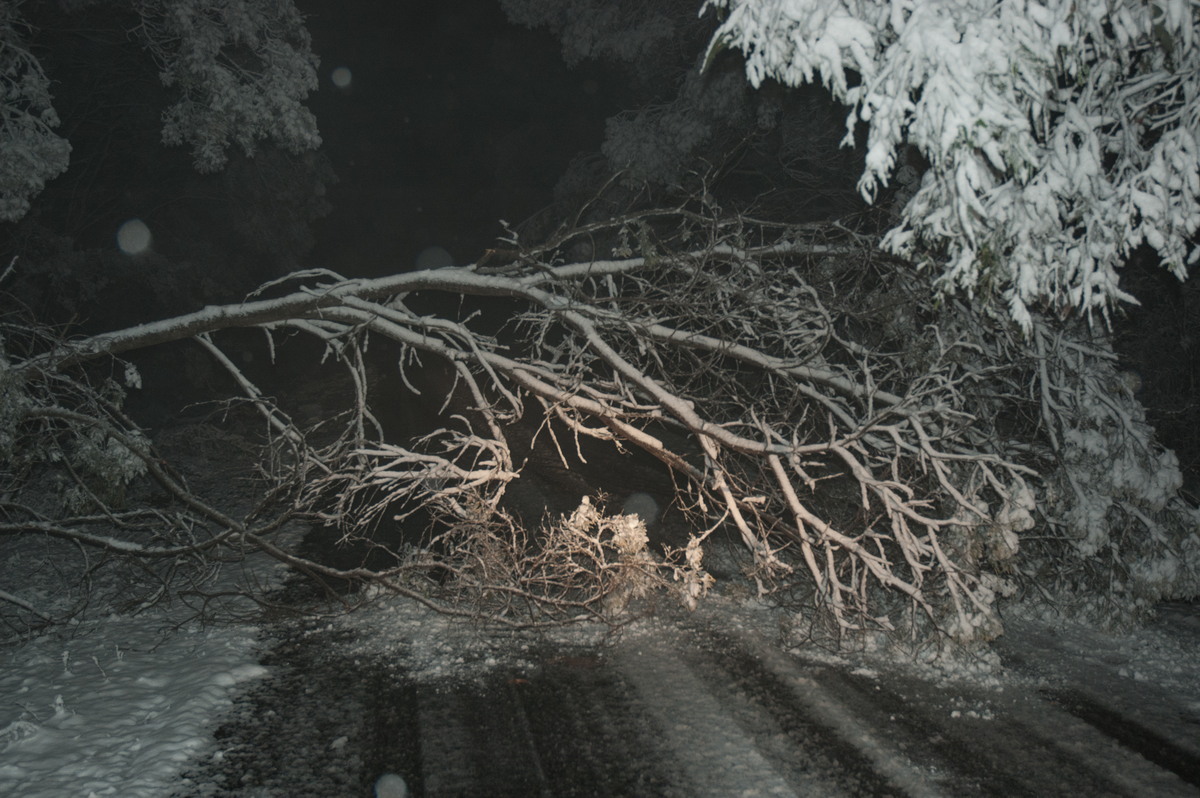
{"type": "Point", "coordinates": [1059, 135]}
{"type": "Point", "coordinates": [877, 454]}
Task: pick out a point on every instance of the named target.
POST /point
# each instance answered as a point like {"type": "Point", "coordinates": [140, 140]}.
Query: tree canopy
{"type": "Point", "coordinates": [1059, 135]}
{"type": "Point", "coordinates": [241, 70]}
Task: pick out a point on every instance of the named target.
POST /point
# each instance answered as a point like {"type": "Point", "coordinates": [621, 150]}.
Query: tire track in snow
{"type": "Point", "coordinates": [989, 753]}
{"type": "Point", "coordinates": [824, 731]}
{"type": "Point", "coordinates": [818, 718]}
{"type": "Point", "coordinates": [569, 727]}
{"type": "Point", "coordinates": [475, 740]}
{"type": "Point", "coordinates": [592, 736]}
{"type": "Point", "coordinates": [715, 754]}
{"type": "Point", "coordinates": [1131, 734]}
{"type": "Point", "coordinates": [1019, 744]}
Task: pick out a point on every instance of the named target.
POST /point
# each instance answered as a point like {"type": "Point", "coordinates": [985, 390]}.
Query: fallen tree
{"type": "Point", "coordinates": [882, 454]}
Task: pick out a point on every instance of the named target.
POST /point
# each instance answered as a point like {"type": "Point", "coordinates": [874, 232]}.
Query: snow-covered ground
{"type": "Point", "coordinates": [115, 701]}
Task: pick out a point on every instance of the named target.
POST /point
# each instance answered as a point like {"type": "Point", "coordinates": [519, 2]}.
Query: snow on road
{"type": "Point", "coordinates": [682, 705]}
{"type": "Point", "coordinates": [712, 704]}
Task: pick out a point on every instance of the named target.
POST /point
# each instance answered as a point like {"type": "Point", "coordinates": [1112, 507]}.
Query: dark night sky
{"type": "Point", "coordinates": [453, 120]}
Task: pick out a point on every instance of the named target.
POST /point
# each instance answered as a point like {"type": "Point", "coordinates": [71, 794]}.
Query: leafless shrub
{"type": "Point", "coordinates": [588, 565]}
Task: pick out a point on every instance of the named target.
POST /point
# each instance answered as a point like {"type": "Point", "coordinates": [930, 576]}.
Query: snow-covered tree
{"type": "Point", "coordinates": [30, 152]}
{"type": "Point", "coordinates": [242, 69]}
{"type": "Point", "coordinates": [1059, 135]}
